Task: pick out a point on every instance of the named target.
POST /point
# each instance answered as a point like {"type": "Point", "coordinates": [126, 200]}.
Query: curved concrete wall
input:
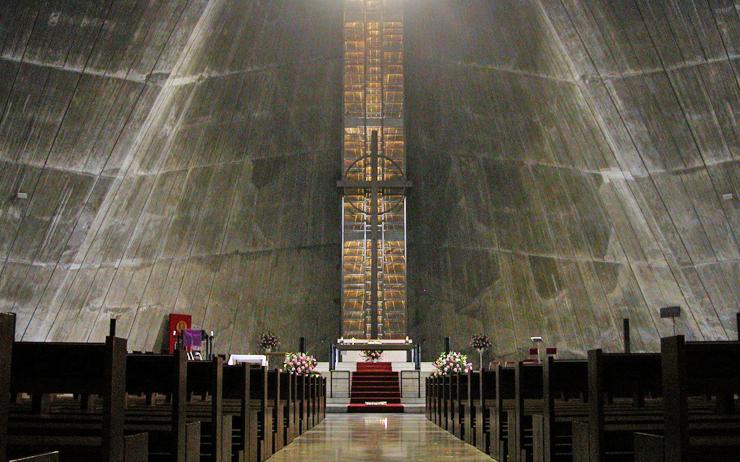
{"type": "Point", "coordinates": [78, 81]}
{"type": "Point", "coordinates": [222, 204]}
{"type": "Point", "coordinates": [569, 161]}
{"type": "Point", "coordinates": [568, 158]}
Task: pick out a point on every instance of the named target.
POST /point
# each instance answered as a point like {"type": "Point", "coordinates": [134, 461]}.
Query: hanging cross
{"type": "Point", "coordinates": [374, 187]}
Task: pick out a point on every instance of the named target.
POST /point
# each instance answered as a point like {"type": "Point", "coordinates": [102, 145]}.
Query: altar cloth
{"type": "Point", "coordinates": [251, 359]}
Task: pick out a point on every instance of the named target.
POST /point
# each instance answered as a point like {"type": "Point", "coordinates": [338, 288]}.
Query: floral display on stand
{"type": "Point", "coordinates": [480, 343]}
{"type": "Point", "coordinates": [452, 363]}
{"type": "Point", "coordinates": [372, 355]}
{"type": "Point", "coordinates": [268, 341]}
{"type": "Point", "coordinates": [299, 364]}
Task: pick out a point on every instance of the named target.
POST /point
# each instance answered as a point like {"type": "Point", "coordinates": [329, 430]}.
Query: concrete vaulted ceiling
{"type": "Point", "coordinates": [569, 162]}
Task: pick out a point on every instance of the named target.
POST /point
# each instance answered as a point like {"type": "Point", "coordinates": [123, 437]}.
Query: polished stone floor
{"type": "Point", "coordinates": [378, 437]}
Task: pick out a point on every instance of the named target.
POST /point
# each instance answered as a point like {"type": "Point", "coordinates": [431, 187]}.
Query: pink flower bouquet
{"type": "Point", "coordinates": [452, 363]}
{"type": "Point", "coordinates": [299, 364]}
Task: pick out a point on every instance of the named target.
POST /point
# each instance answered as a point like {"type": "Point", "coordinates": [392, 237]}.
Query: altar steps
{"type": "Point", "coordinates": [375, 383]}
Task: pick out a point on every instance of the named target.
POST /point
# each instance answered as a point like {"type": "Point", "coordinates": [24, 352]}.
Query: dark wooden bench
{"type": "Point", "coordinates": [459, 402]}
{"type": "Point", "coordinates": [290, 411]}
{"type": "Point", "coordinates": [528, 401]}
{"type": "Point", "coordinates": [434, 399]}
{"type": "Point", "coordinates": [626, 396]}
{"type": "Point", "coordinates": [205, 378]}
{"type": "Point", "coordinates": [500, 412]}
{"type": "Point", "coordinates": [450, 400]}
{"type": "Point", "coordinates": [7, 336]}
{"type": "Point", "coordinates": [322, 398]}
{"type": "Point", "coordinates": [564, 394]}
{"type": "Point", "coordinates": [695, 369]}
{"type": "Point", "coordinates": [472, 399]}
{"type": "Point", "coordinates": [619, 384]}
{"type": "Point", "coordinates": [428, 397]}
{"type": "Point", "coordinates": [482, 413]}
{"type": "Point", "coordinates": [171, 434]}
{"type": "Point", "coordinates": [43, 369]}
{"type": "Point", "coordinates": [317, 400]}
{"type": "Point", "coordinates": [305, 403]}
{"type": "Point", "coordinates": [276, 406]}
{"type": "Point", "coordinates": [244, 399]}
{"type": "Point", "coordinates": [301, 404]}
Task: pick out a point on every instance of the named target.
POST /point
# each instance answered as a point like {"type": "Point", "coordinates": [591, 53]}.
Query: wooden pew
{"type": "Point", "coordinates": [315, 382]}
{"type": "Point", "coordinates": [302, 395]}
{"type": "Point", "coordinates": [259, 393]}
{"type": "Point", "coordinates": [236, 402]}
{"type": "Point", "coordinates": [171, 435]}
{"type": "Point", "coordinates": [276, 406]}
{"type": "Point", "coordinates": [486, 402]}
{"type": "Point", "coordinates": [619, 384]}
{"type": "Point", "coordinates": [322, 398]}
{"type": "Point", "coordinates": [689, 370]}
{"type": "Point", "coordinates": [564, 392]}
{"type": "Point", "coordinates": [459, 403]}
{"type": "Point", "coordinates": [448, 389]}
{"type": "Point", "coordinates": [310, 401]}
{"type": "Point", "coordinates": [431, 398]}
{"type": "Point", "coordinates": [83, 368]}
{"type": "Point", "coordinates": [7, 335]}
{"type": "Point", "coordinates": [287, 390]}
{"type": "Point", "coordinates": [436, 397]}
{"type": "Point", "coordinates": [205, 378]}
{"type": "Point", "coordinates": [442, 391]}
{"type": "Point", "coordinates": [427, 399]}
{"type": "Point", "coordinates": [470, 405]}
{"type": "Point", "coordinates": [527, 401]}
{"type": "Point", "coordinates": [499, 413]}
{"type": "Point", "coordinates": [244, 397]}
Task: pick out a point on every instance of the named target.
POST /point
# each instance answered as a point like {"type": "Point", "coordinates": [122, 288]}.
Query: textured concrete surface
{"type": "Point", "coordinates": [179, 156]}
{"type": "Point", "coordinates": [569, 160]}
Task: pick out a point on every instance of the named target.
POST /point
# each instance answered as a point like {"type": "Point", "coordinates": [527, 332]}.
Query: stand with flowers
{"type": "Point", "coordinates": [268, 342]}
{"type": "Point", "coordinates": [480, 343]}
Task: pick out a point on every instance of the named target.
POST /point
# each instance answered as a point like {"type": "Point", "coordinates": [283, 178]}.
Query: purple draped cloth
{"type": "Point", "coordinates": [191, 338]}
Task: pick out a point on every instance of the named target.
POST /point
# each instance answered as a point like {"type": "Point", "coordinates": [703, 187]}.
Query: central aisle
{"type": "Point", "coordinates": [378, 437]}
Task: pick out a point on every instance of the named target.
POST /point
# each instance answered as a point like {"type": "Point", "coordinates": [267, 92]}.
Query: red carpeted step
{"type": "Point", "coordinates": [361, 388]}
{"type": "Point", "coordinates": [374, 400]}
{"type": "Point", "coordinates": [375, 373]}
{"type": "Point", "coordinates": [375, 383]}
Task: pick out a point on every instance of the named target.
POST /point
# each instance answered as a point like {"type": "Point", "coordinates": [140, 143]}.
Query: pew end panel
{"type": "Point", "coordinates": [649, 447]}
{"type": "Point", "coordinates": [45, 457]}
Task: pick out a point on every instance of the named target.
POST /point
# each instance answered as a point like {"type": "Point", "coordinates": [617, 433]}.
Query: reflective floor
{"type": "Point", "coordinates": [379, 437]}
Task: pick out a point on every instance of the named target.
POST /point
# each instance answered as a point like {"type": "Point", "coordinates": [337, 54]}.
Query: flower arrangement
{"type": "Point", "coordinates": [480, 342]}
{"type": "Point", "coordinates": [299, 364]}
{"type": "Point", "coordinates": [372, 355]}
{"type": "Point", "coordinates": [268, 341]}
{"type": "Point", "coordinates": [452, 363]}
